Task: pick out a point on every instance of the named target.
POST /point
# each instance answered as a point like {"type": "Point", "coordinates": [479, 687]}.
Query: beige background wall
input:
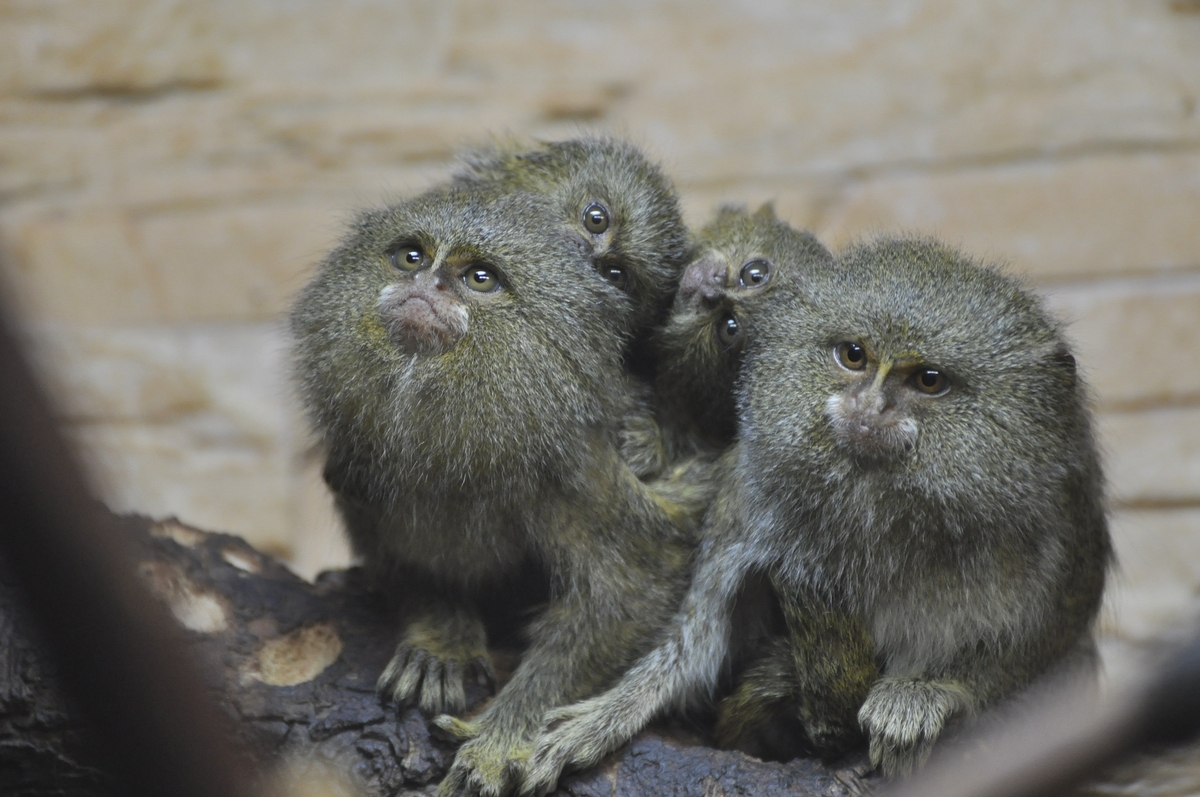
{"type": "Point", "coordinates": [170, 172]}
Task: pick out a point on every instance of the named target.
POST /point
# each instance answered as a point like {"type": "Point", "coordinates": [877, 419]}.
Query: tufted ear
{"type": "Point", "coordinates": [1062, 357]}
{"type": "Point", "coordinates": [767, 211]}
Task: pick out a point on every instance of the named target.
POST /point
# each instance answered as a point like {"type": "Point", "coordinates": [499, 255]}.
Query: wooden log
{"type": "Point", "coordinates": [294, 664]}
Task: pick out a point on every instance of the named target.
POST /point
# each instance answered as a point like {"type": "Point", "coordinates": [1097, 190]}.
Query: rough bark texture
{"type": "Point", "coordinates": [294, 665]}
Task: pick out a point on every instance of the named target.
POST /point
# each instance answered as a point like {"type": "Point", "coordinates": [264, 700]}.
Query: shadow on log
{"type": "Point", "coordinates": [295, 665]}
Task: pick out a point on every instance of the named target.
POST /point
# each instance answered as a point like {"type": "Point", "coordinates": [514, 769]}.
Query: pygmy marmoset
{"type": "Point", "coordinates": [458, 358]}
{"type": "Point", "coordinates": [699, 347]}
{"type": "Point", "coordinates": [619, 206]}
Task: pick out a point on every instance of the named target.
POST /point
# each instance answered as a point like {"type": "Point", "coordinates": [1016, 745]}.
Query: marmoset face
{"type": "Point", "coordinates": [875, 416]}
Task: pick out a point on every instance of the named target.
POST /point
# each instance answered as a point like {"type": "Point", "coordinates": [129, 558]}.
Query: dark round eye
{"type": "Point", "coordinates": [615, 276]}
{"type": "Point", "coordinates": [754, 273]}
{"type": "Point", "coordinates": [930, 380]}
{"type": "Point", "coordinates": [595, 218]}
{"type": "Point", "coordinates": [729, 331]}
{"type": "Point", "coordinates": [408, 257]}
{"type": "Point", "coordinates": [481, 279]}
{"type": "Point", "coordinates": [850, 355]}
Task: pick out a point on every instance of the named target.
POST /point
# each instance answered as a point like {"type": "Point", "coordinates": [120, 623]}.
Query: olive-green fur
{"type": "Point", "coordinates": [646, 240]}
{"type": "Point", "coordinates": [826, 656]}
{"type": "Point", "coordinates": [969, 561]}
{"type": "Point", "coordinates": [476, 419]}
{"type": "Point", "coordinates": [803, 692]}
{"type": "Point", "coordinates": [443, 646]}
{"type": "Point", "coordinates": [501, 453]}
{"type": "Point", "coordinates": [697, 374]}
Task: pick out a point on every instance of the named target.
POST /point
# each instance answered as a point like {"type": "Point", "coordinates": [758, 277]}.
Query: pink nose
{"type": "Point", "coordinates": [703, 281]}
{"type": "Point", "coordinates": [431, 279]}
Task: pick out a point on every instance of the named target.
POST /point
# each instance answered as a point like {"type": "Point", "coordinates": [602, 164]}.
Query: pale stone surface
{"type": "Point", "coordinates": [177, 420]}
{"type": "Point", "coordinates": [1156, 584]}
{"type": "Point", "coordinates": [1049, 218]}
{"type": "Point", "coordinates": [1153, 595]}
{"type": "Point", "coordinates": [1138, 340]}
{"type": "Point", "coordinates": [318, 541]}
{"type": "Point", "coordinates": [107, 374]}
{"type": "Point", "coordinates": [152, 134]}
{"type": "Point", "coordinates": [1153, 457]}
{"type": "Point", "coordinates": [196, 421]}
{"type": "Point", "coordinates": [238, 262]}
{"type": "Point", "coordinates": [139, 45]}
{"type": "Point", "coordinates": [193, 471]}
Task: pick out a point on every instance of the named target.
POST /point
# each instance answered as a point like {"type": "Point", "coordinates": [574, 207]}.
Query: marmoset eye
{"type": "Point", "coordinates": [481, 279]}
{"type": "Point", "coordinates": [930, 381]}
{"type": "Point", "coordinates": [850, 356]}
{"type": "Point", "coordinates": [729, 331]}
{"type": "Point", "coordinates": [595, 218]}
{"type": "Point", "coordinates": [408, 257]}
{"type": "Point", "coordinates": [754, 273]}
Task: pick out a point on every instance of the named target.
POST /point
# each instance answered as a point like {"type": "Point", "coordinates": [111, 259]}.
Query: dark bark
{"type": "Point", "coordinates": [294, 664]}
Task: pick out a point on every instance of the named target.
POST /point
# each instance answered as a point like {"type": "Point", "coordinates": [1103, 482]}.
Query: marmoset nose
{"type": "Point", "coordinates": [431, 279]}
{"type": "Point", "coordinates": [704, 281]}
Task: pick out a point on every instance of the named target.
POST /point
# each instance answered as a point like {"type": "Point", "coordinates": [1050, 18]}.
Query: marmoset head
{"type": "Point", "coordinates": [620, 207]}
{"type": "Point", "coordinates": [909, 361]}
{"type": "Point", "coordinates": [456, 332]}
{"type": "Point", "coordinates": [741, 259]}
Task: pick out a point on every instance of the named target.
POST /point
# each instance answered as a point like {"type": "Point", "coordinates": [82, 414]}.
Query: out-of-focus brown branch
{"type": "Point", "coordinates": [121, 663]}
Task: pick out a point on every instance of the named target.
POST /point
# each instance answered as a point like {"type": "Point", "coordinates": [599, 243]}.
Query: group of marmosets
{"type": "Point", "coordinates": [845, 499]}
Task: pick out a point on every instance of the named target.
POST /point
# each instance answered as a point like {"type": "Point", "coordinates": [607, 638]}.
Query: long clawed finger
{"type": "Point", "coordinates": [513, 773]}
{"type": "Point", "coordinates": [411, 676]}
{"type": "Point", "coordinates": [463, 782]}
{"type": "Point", "coordinates": [454, 696]}
{"type": "Point", "coordinates": [544, 770]}
{"type": "Point", "coordinates": [432, 696]}
{"type": "Point", "coordinates": [554, 718]}
{"type": "Point", "coordinates": [394, 669]}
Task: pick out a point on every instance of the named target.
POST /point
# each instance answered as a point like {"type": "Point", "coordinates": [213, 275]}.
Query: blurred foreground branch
{"type": "Point", "coordinates": [1074, 734]}
{"type": "Point", "coordinates": [120, 667]}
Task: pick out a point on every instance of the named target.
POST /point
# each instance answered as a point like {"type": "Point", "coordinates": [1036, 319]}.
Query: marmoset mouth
{"type": "Point", "coordinates": [873, 438]}
{"type": "Point", "coordinates": [417, 326]}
